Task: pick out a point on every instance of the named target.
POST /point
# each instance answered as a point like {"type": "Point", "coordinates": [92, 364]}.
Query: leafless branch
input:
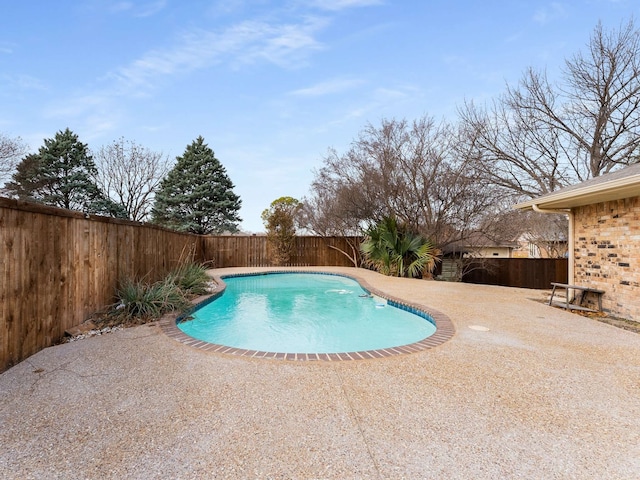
{"type": "Point", "coordinates": [130, 174]}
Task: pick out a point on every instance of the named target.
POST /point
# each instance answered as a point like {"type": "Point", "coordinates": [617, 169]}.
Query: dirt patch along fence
{"type": "Point", "coordinates": [57, 267]}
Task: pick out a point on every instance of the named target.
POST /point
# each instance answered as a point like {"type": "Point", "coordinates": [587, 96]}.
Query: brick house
{"type": "Point", "coordinates": [604, 236]}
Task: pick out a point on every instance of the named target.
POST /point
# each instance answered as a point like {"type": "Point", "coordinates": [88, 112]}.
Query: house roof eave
{"type": "Point", "coordinates": [589, 194]}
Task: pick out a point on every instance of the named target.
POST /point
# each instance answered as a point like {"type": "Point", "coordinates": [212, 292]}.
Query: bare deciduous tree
{"type": "Point", "coordinates": [539, 137]}
{"type": "Point", "coordinates": [11, 149]}
{"type": "Point", "coordinates": [546, 235]}
{"type": "Point", "coordinates": [130, 174]}
{"type": "Point", "coordinates": [327, 214]}
{"type": "Point", "coordinates": [513, 151]}
{"type": "Point", "coordinates": [416, 172]}
{"type": "Point", "coordinates": [602, 112]}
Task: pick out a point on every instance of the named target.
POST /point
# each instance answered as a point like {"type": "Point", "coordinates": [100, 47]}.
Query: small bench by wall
{"type": "Point", "coordinates": [582, 292]}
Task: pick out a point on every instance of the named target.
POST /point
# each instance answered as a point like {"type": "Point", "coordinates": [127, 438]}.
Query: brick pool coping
{"type": "Point", "coordinates": [444, 327]}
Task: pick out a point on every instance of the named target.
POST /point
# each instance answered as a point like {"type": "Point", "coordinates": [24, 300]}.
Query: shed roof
{"type": "Point", "coordinates": [476, 240]}
{"type": "Point", "coordinates": [623, 183]}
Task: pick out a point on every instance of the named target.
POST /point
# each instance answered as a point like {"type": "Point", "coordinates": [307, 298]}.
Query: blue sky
{"type": "Point", "coordinates": [270, 85]}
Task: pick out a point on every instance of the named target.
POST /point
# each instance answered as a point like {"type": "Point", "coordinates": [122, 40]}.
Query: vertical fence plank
{"type": "Point", "coordinates": [12, 239]}
{"type": "Point", "coordinates": [6, 244]}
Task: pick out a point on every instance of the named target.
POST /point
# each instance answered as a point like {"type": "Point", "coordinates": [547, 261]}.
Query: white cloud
{"type": "Point", "coordinates": [144, 9]}
{"type": "Point", "coordinates": [459, 62]}
{"type": "Point", "coordinates": [373, 104]}
{"type": "Point", "coordinates": [6, 48]}
{"type": "Point", "coordinates": [34, 139]}
{"type": "Point", "coordinates": [516, 37]}
{"type": "Point", "coordinates": [287, 46]}
{"type": "Point", "coordinates": [97, 114]}
{"type": "Point", "coordinates": [226, 7]}
{"type": "Point", "coordinates": [21, 82]}
{"type": "Point", "coordinates": [245, 43]}
{"type": "Point", "coordinates": [95, 126]}
{"type": "Point", "coordinates": [120, 7]}
{"type": "Point", "coordinates": [250, 42]}
{"type": "Point", "coordinates": [335, 5]}
{"type": "Point", "coordinates": [76, 106]}
{"type": "Point", "coordinates": [394, 94]}
{"type": "Point", "coordinates": [552, 12]}
{"type": "Point", "coordinates": [329, 87]}
{"type": "Point", "coordinates": [150, 8]}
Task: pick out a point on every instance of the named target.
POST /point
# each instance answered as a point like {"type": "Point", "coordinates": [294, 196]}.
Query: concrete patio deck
{"type": "Point", "coordinates": [542, 393]}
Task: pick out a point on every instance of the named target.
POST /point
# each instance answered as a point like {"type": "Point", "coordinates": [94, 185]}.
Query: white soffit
{"type": "Point", "coordinates": [577, 196]}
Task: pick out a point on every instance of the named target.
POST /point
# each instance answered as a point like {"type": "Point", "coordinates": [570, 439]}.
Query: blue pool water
{"type": "Point", "coordinates": [303, 313]}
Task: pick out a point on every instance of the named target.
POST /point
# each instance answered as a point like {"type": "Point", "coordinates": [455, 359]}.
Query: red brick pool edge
{"type": "Point", "coordinates": [444, 329]}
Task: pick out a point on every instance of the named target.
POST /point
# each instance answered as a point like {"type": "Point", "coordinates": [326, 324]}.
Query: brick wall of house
{"type": "Point", "coordinates": [607, 254]}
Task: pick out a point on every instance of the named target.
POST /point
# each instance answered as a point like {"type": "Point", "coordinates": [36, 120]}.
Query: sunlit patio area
{"type": "Point", "coordinates": [521, 390]}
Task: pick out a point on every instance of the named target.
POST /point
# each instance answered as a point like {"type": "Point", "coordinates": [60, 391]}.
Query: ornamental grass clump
{"type": "Point", "coordinates": [192, 279]}
{"type": "Point", "coordinates": [140, 302]}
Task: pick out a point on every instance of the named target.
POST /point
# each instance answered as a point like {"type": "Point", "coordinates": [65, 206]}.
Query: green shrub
{"type": "Point", "coordinates": [139, 301]}
{"type": "Point", "coordinates": [191, 278]}
{"type": "Point", "coordinates": [391, 248]}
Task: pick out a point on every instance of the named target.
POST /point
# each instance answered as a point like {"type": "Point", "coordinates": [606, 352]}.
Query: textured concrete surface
{"type": "Point", "coordinates": [537, 393]}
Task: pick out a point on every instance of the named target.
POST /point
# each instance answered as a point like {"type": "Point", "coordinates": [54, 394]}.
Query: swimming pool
{"type": "Point", "coordinates": [304, 312]}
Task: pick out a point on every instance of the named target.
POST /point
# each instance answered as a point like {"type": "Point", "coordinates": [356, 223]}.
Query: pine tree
{"type": "Point", "coordinates": [61, 174]}
{"type": "Point", "coordinates": [197, 195]}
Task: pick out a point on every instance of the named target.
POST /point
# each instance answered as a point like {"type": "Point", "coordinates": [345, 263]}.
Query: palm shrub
{"type": "Point", "coordinates": [392, 249]}
{"type": "Point", "coordinates": [375, 251]}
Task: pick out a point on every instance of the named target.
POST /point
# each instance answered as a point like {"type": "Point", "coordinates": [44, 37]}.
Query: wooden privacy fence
{"type": "Point", "coordinates": [57, 267]}
{"type": "Point", "coordinates": [253, 251]}
{"type": "Point", "coordinates": [520, 272]}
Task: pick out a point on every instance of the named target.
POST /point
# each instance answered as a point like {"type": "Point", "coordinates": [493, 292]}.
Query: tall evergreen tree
{"type": "Point", "coordinates": [62, 174]}
{"type": "Point", "coordinates": [197, 195]}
